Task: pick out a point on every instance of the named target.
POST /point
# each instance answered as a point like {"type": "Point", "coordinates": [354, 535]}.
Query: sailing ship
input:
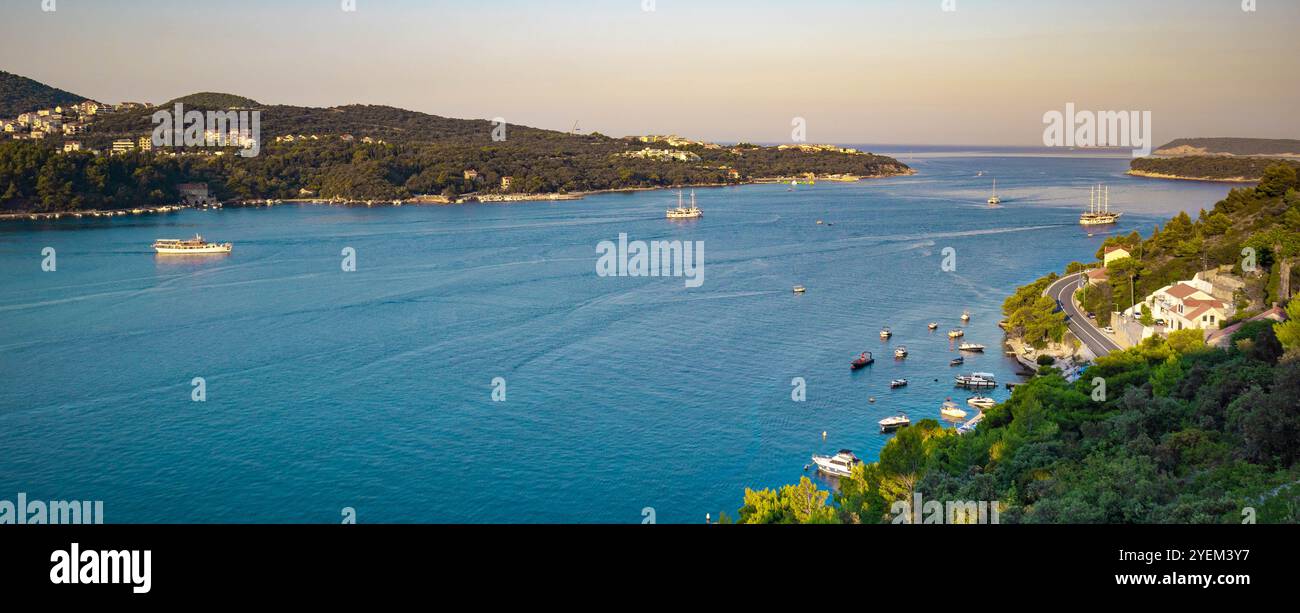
{"type": "Point", "coordinates": [994, 200]}
{"type": "Point", "coordinates": [683, 212]}
{"type": "Point", "coordinates": [1099, 213]}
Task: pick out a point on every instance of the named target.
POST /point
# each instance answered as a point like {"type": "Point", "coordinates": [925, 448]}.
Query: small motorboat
{"type": "Point", "coordinates": [799, 289]}
{"type": "Point", "coordinates": [933, 326]}
{"type": "Point", "coordinates": [864, 360]}
{"type": "Point", "coordinates": [839, 465]}
{"type": "Point", "coordinates": [897, 383]}
{"type": "Point", "coordinates": [957, 361]}
{"type": "Point", "coordinates": [950, 409]}
{"type": "Point", "coordinates": [982, 402]}
{"type": "Point", "coordinates": [901, 352]}
{"type": "Point", "coordinates": [885, 333]}
{"type": "Point", "coordinates": [956, 333]}
{"type": "Point", "coordinates": [976, 347]}
{"type": "Point", "coordinates": [965, 315]}
{"type": "Point", "coordinates": [889, 424]}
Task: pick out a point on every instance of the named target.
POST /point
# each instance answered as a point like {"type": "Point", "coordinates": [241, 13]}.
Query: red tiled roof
{"type": "Point", "coordinates": [1181, 291]}
{"type": "Point", "coordinates": [1097, 273]}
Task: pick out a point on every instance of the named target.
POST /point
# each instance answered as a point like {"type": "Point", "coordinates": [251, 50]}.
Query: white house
{"type": "Point", "coordinates": [1116, 253]}
{"type": "Point", "coordinates": [1186, 305]}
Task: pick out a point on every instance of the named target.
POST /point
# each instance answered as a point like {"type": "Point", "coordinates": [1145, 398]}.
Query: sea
{"type": "Point", "coordinates": [472, 363]}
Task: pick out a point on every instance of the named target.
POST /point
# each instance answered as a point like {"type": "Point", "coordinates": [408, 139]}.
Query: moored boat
{"type": "Point", "coordinates": [956, 333]}
{"type": "Point", "coordinates": [886, 333]}
{"type": "Point", "coordinates": [957, 361]}
{"type": "Point", "coordinates": [976, 380]}
{"type": "Point", "coordinates": [799, 289]}
{"type": "Point", "coordinates": [981, 402]}
{"type": "Point", "coordinates": [951, 409]}
{"type": "Point", "coordinates": [965, 316]}
{"type": "Point", "coordinates": [863, 360]}
{"type": "Point", "coordinates": [901, 352]}
{"type": "Point", "coordinates": [889, 424]}
{"type": "Point", "coordinates": [976, 347]}
{"type": "Point", "coordinates": [839, 465]}
{"type": "Point", "coordinates": [933, 326]}
{"type": "Point", "coordinates": [897, 383]}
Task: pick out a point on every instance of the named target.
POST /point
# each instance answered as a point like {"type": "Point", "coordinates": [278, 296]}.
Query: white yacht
{"type": "Point", "coordinates": [885, 333]}
{"type": "Point", "coordinates": [1099, 213]}
{"type": "Point", "coordinates": [976, 380]}
{"type": "Point", "coordinates": [840, 465]}
{"type": "Point", "coordinates": [956, 333]}
{"type": "Point", "coordinates": [889, 424]}
{"type": "Point", "coordinates": [189, 246]}
{"type": "Point", "coordinates": [901, 352]}
{"type": "Point", "coordinates": [965, 316]}
{"type": "Point", "coordinates": [976, 347]}
{"type": "Point", "coordinates": [684, 212]}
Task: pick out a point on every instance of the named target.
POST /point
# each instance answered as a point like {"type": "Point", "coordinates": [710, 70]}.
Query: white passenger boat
{"type": "Point", "coordinates": [190, 246]}
{"type": "Point", "coordinates": [950, 409]}
{"type": "Point", "coordinates": [976, 347]}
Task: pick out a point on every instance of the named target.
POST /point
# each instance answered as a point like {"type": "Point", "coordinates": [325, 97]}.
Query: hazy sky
{"type": "Point", "coordinates": [869, 71]}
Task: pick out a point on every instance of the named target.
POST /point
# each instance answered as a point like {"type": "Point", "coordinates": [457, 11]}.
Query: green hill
{"type": "Point", "coordinates": [1231, 146]}
{"type": "Point", "coordinates": [19, 95]}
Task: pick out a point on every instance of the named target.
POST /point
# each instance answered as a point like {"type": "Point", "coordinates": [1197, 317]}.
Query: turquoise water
{"type": "Point", "coordinates": [373, 389]}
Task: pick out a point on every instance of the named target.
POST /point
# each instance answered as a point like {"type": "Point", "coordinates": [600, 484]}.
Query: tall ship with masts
{"type": "Point", "coordinates": [1099, 213]}
{"type": "Point", "coordinates": [994, 200]}
{"type": "Point", "coordinates": [683, 212]}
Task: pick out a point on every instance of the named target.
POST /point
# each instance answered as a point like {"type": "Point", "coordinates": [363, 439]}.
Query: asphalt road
{"type": "Point", "coordinates": [1097, 341]}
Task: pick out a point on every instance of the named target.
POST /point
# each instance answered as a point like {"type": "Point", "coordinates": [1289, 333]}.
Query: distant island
{"type": "Point", "coordinates": [63, 153]}
{"type": "Point", "coordinates": [1233, 160]}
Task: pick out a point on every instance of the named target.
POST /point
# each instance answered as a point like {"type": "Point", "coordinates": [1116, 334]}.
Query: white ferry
{"type": "Point", "coordinates": [889, 424]}
{"type": "Point", "coordinates": [683, 212]}
{"type": "Point", "coordinates": [191, 246]}
{"type": "Point", "coordinates": [1099, 213]}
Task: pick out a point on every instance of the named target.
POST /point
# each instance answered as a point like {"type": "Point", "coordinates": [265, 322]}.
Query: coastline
{"type": "Point", "coordinates": [1156, 175]}
{"type": "Point", "coordinates": [423, 200]}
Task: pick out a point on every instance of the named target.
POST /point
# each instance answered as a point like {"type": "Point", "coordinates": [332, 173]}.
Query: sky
{"type": "Point", "coordinates": [864, 71]}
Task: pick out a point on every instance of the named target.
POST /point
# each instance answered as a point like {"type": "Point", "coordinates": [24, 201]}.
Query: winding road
{"type": "Point", "coordinates": [1062, 291]}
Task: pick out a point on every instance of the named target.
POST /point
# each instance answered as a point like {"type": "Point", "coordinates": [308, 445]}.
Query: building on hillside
{"type": "Point", "coordinates": [145, 143]}
{"type": "Point", "coordinates": [471, 174]}
{"type": "Point", "coordinates": [1115, 253]}
{"type": "Point", "coordinates": [1186, 305]}
{"type": "Point", "coordinates": [123, 145]}
{"type": "Point", "coordinates": [70, 129]}
{"type": "Point", "coordinates": [1223, 337]}
{"type": "Point", "coordinates": [71, 145]}
{"type": "Point", "coordinates": [507, 182]}
{"type": "Point", "coordinates": [1097, 276]}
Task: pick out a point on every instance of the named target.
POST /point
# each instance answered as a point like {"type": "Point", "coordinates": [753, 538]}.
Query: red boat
{"type": "Point", "coordinates": [864, 360]}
